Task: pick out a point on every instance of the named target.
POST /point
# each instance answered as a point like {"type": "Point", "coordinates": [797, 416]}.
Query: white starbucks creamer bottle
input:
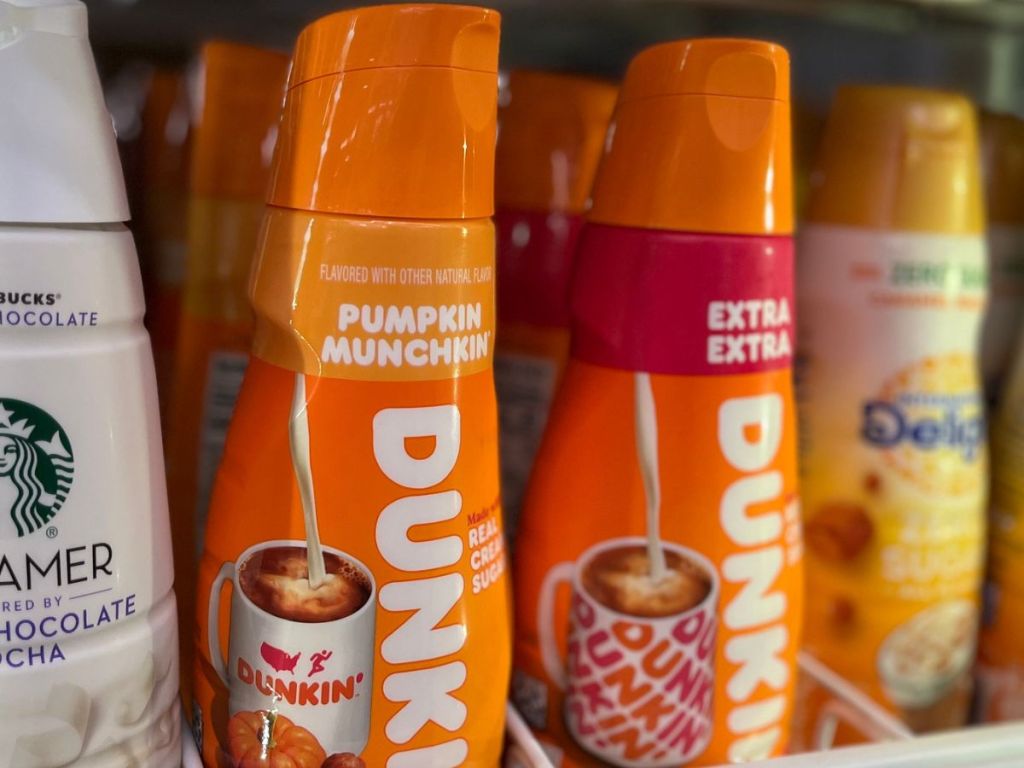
{"type": "Point", "coordinates": [891, 291]}
{"type": "Point", "coordinates": [88, 649]}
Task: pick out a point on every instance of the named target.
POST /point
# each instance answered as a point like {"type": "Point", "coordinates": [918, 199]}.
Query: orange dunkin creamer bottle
{"type": "Point", "coordinates": [658, 562]}
{"type": "Point", "coordinates": [353, 606]}
{"type": "Point", "coordinates": [551, 134]}
{"type": "Point", "coordinates": [238, 108]}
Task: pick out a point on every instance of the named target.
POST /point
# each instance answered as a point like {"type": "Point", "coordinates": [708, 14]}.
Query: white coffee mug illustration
{"type": "Point", "coordinates": [317, 673]}
{"type": "Point", "coordinates": [638, 689]}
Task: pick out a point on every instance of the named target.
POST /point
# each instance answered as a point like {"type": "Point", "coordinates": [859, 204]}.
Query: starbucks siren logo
{"type": "Point", "coordinates": [36, 459]}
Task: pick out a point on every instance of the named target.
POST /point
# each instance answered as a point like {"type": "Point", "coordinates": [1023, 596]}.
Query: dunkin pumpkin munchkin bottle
{"type": "Point", "coordinates": [237, 109]}
{"type": "Point", "coordinates": [88, 630]}
{"type": "Point", "coordinates": [353, 608]}
{"type": "Point", "coordinates": [658, 563]}
{"type": "Point", "coordinates": [892, 286]}
{"type": "Point", "coordinates": [551, 135]}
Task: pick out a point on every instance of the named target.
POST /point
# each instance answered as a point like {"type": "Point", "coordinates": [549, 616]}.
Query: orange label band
{"type": "Point", "coordinates": [370, 300]}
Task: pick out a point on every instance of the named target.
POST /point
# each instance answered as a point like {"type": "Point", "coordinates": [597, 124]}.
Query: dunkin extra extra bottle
{"type": "Point", "coordinates": [658, 562]}
{"type": "Point", "coordinates": [551, 135]}
{"type": "Point", "coordinates": [356, 512]}
{"type": "Point", "coordinates": [238, 108]}
{"type": "Point", "coordinates": [892, 287]}
{"type": "Point", "coordinates": [88, 634]}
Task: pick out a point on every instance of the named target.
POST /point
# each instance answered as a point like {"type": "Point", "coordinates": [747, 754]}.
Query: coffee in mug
{"type": "Point", "coordinates": [277, 580]}
{"type": "Point", "coordinates": [620, 579]}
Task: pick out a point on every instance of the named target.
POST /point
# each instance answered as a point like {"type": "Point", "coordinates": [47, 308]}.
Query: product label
{"type": "Point", "coordinates": [35, 309]}
{"type": "Point", "coordinates": [352, 598]}
{"type": "Point", "coordinates": [658, 579]}
{"type": "Point", "coordinates": [894, 462]}
{"type": "Point", "coordinates": [525, 385]}
{"type": "Point", "coordinates": [392, 316]}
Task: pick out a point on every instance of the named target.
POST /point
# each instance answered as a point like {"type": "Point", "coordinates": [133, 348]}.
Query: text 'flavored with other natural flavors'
{"type": "Point", "coordinates": [658, 563]}
{"type": "Point", "coordinates": [352, 599]}
{"type": "Point", "coordinates": [88, 628]}
{"type": "Point", "coordinates": [892, 410]}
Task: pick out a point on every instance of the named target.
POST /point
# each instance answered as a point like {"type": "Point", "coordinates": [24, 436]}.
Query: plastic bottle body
{"type": "Point", "coordinates": [707, 320]}
{"type": "Point", "coordinates": [88, 638]}
{"type": "Point", "coordinates": [894, 462]}
{"type": "Point", "coordinates": [389, 327]}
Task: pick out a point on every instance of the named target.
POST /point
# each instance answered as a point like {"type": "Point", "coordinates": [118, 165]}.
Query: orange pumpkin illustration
{"type": "Point", "coordinates": [270, 740]}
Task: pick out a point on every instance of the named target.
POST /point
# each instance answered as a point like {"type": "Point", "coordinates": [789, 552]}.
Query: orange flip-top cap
{"type": "Point", "coordinates": [700, 141]}
{"type": "Point", "coordinates": [391, 112]}
{"type": "Point", "coordinates": [235, 120]}
{"type": "Point", "coordinates": [551, 134]}
{"type": "Point", "coordinates": [1002, 151]}
{"type": "Point", "coordinates": [899, 158]}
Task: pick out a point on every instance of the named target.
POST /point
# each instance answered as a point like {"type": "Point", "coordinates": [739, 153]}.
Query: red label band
{"type": "Point", "coordinates": [535, 257]}
{"type": "Point", "coordinates": [683, 303]}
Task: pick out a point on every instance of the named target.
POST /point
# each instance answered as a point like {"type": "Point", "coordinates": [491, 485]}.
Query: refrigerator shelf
{"type": "Point", "coordinates": [999, 746]}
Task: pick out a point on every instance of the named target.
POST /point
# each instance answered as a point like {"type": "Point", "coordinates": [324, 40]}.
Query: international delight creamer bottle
{"type": "Point", "coordinates": [892, 287]}
{"type": "Point", "coordinates": [238, 107]}
{"type": "Point", "coordinates": [88, 635]}
{"type": "Point", "coordinates": [550, 137]}
{"type": "Point", "coordinates": [353, 608]}
{"type": "Point", "coordinates": [658, 564]}
{"type": "Point", "coordinates": [1000, 671]}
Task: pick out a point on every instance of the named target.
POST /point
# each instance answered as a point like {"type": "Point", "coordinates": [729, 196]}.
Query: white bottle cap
{"type": "Point", "coordinates": [58, 154]}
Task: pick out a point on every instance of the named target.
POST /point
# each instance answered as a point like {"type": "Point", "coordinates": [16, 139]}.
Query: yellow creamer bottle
{"type": "Point", "coordinates": [238, 108]}
{"type": "Point", "coordinates": [552, 129]}
{"type": "Point", "coordinates": [891, 290]}
{"type": "Point", "coordinates": [352, 598]}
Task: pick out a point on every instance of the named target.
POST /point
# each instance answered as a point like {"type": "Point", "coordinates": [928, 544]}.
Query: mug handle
{"type": "Point", "coordinates": [213, 626]}
{"type": "Point", "coordinates": [553, 662]}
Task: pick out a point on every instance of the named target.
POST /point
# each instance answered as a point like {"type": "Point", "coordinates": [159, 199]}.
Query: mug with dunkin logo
{"type": "Point", "coordinates": [306, 654]}
{"type": "Point", "coordinates": [639, 677]}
